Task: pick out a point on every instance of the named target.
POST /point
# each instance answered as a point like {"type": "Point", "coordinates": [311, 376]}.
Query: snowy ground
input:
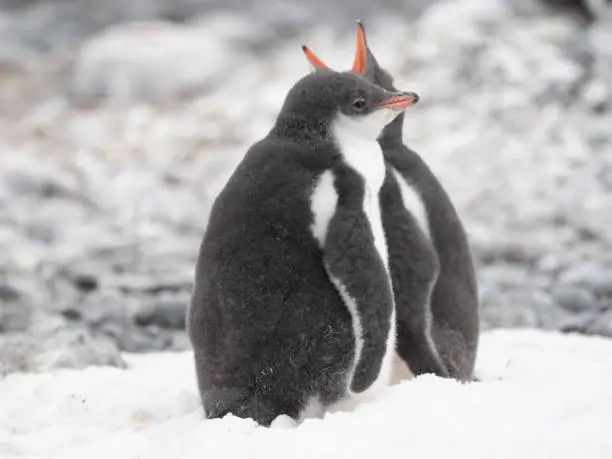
{"type": "Point", "coordinates": [542, 395]}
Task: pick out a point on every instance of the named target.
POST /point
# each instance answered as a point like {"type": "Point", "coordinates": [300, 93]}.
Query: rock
{"type": "Point", "coordinates": [44, 182]}
{"type": "Point", "coordinates": [504, 276]}
{"type": "Point", "coordinates": [527, 307]}
{"type": "Point", "coordinates": [602, 284]}
{"type": "Point", "coordinates": [72, 315]}
{"type": "Point", "coordinates": [15, 308]}
{"type": "Point", "coordinates": [591, 275]}
{"type": "Point", "coordinates": [86, 283]}
{"type": "Point", "coordinates": [151, 61]}
{"type": "Point", "coordinates": [550, 315]}
{"type": "Point", "coordinates": [74, 281]}
{"type": "Point", "coordinates": [180, 341]}
{"type": "Point", "coordinates": [517, 247]}
{"type": "Point", "coordinates": [595, 218]}
{"type": "Point", "coordinates": [587, 8]}
{"type": "Point", "coordinates": [150, 284]}
{"type": "Point", "coordinates": [71, 347]}
{"type": "Point", "coordinates": [130, 338]}
{"type": "Point", "coordinates": [509, 316]}
{"type": "Point", "coordinates": [501, 252]}
{"type": "Point", "coordinates": [101, 308]}
{"type": "Point", "coordinates": [136, 322]}
{"type": "Point", "coordinates": [574, 299]}
{"type": "Point", "coordinates": [605, 303]}
{"type": "Point", "coordinates": [166, 312]}
{"type": "Point", "coordinates": [499, 309]}
{"type": "Point", "coordinates": [8, 293]}
{"type": "Point", "coordinates": [551, 265]}
{"type": "Point", "coordinates": [601, 326]}
{"type": "Point", "coordinates": [14, 317]}
{"type": "Point", "coordinates": [512, 276]}
{"type": "Point", "coordinates": [579, 323]}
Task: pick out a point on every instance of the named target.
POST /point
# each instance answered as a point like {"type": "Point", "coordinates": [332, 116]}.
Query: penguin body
{"type": "Point", "coordinates": [431, 267]}
{"type": "Point", "coordinates": [292, 309]}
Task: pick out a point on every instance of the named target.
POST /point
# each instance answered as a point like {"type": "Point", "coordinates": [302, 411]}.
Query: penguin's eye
{"type": "Point", "coordinates": [359, 104]}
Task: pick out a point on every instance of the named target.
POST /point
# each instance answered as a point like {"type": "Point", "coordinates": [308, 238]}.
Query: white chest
{"type": "Point", "coordinates": [366, 158]}
{"type": "Point", "coordinates": [413, 203]}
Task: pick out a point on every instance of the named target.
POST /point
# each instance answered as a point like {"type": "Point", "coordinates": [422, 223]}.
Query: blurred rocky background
{"type": "Point", "coordinates": [121, 120]}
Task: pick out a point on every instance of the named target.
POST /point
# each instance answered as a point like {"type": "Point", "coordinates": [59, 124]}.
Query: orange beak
{"type": "Point", "coordinates": [361, 53]}
{"type": "Point", "coordinates": [399, 103]}
{"type": "Point", "coordinates": [313, 59]}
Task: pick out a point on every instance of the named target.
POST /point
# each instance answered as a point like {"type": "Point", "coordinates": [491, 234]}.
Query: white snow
{"type": "Point", "coordinates": [542, 395]}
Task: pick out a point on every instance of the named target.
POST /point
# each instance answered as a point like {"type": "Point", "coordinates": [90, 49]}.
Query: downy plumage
{"type": "Point", "coordinates": [292, 309]}
{"type": "Point", "coordinates": [431, 265]}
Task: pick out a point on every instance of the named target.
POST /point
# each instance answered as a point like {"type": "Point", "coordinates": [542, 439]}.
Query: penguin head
{"type": "Point", "coordinates": [366, 65]}
{"type": "Point", "coordinates": [325, 99]}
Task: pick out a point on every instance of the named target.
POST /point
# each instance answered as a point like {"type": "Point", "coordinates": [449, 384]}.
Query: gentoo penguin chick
{"type": "Point", "coordinates": [431, 265]}
{"type": "Point", "coordinates": [292, 308]}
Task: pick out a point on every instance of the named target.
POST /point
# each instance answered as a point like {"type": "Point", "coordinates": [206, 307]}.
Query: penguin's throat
{"type": "Point", "coordinates": [365, 128]}
{"type": "Point", "coordinates": [356, 138]}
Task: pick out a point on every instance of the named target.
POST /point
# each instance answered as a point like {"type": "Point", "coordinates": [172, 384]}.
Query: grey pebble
{"type": "Point", "coordinates": [504, 276]}
{"type": "Point", "coordinates": [525, 307]}
{"type": "Point", "coordinates": [130, 338]}
{"type": "Point", "coordinates": [150, 284]}
{"type": "Point", "coordinates": [14, 317]}
{"type": "Point", "coordinates": [579, 323]}
{"type": "Point", "coordinates": [507, 316]}
{"type": "Point", "coordinates": [15, 309]}
{"type": "Point", "coordinates": [168, 312]}
{"type": "Point", "coordinates": [99, 309]}
{"type": "Point", "coordinates": [551, 264]}
{"type": "Point", "coordinates": [592, 276]}
{"type": "Point", "coordinates": [9, 293]}
{"type": "Point", "coordinates": [602, 283]}
{"type": "Point", "coordinates": [602, 325]}
{"type": "Point", "coordinates": [69, 347]}
{"type": "Point", "coordinates": [574, 299]}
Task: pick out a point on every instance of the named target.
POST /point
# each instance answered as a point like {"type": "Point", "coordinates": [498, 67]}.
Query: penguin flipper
{"type": "Point", "coordinates": [357, 270]}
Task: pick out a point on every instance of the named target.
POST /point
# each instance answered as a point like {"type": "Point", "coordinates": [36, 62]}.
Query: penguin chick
{"type": "Point", "coordinates": [432, 270]}
{"type": "Point", "coordinates": [292, 308]}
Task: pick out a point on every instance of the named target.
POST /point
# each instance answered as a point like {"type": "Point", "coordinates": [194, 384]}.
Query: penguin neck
{"type": "Point", "coordinates": [301, 128]}
{"type": "Point", "coordinates": [356, 140]}
{"type": "Point", "coordinates": [392, 133]}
